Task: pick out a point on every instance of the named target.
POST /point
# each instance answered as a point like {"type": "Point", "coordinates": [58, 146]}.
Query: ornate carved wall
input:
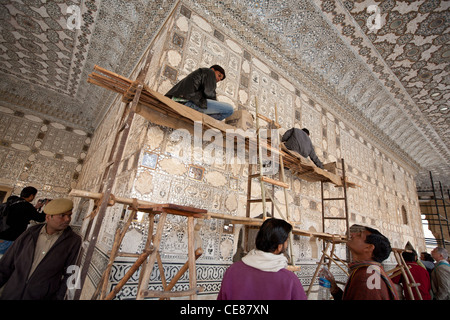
{"type": "Point", "coordinates": [157, 166]}
{"type": "Point", "coordinates": [40, 152]}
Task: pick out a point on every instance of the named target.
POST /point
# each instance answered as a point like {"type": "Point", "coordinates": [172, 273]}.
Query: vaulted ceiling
{"type": "Point", "coordinates": [390, 74]}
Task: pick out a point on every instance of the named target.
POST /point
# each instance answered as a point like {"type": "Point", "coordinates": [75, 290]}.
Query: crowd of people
{"type": "Point", "coordinates": [262, 273]}
{"type": "Point", "coordinates": [36, 258]}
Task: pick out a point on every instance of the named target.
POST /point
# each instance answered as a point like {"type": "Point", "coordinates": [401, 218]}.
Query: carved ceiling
{"type": "Point", "coordinates": [394, 78]}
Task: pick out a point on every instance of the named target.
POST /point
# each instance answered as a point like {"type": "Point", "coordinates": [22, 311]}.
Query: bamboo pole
{"type": "Point", "coordinates": [332, 260]}
{"type": "Point", "coordinates": [151, 260]}
{"type": "Point", "coordinates": [182, 270]}
{"type": "Point", "coordinates": [412, 281]}
{"type": "Point", "coordinates": [263, 189]}
{"type": "Point", "coordinates": [321, 262]}
{"type": "Point", "coordinates": [128, 275]}
{"type": "Point", "coordinates": [405, 276]}
{"type": "Point", "coordinates": [97, 196]}
{"type": "Point", "coordinates": [115, 248]}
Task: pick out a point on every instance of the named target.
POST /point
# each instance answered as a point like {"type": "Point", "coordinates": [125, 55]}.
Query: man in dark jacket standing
{"type": "Point", "coordinates": [299, 141]}
{"type": "Point", "coordinates": [198, 91]}
{"type": "Point", "coordinates": [20, 213]}
{"type": "Point", "coordinates": [35, 266]}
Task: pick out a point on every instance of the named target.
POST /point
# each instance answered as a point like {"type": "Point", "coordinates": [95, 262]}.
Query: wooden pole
{"type": "Point", "coordinates": [182, 270]}
{"type": "Point", "coordinates": [151, 260]}
{"type": "Point", "coordinates": [109, 176]}
{"type": "Point", "coordinates": [191, 255]}
{"type": "Point", "coordinates": [115, 248]}
{"type": "Point", "coordinates": [97, 196]}
{"type": "Point", "coordinates": [321, 262]}
{"type": "Point", "coordinates": [128, 275]}
{"type": "Point", "coordinates": [411, 278]}
{"type": "Point", "coordinates": [405, 276]}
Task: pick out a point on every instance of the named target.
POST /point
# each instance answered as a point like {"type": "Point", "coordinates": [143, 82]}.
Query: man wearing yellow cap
{"type": "Point", "coordinates": [35, 266]}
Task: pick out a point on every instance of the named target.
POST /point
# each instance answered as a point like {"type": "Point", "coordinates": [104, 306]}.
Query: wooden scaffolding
{"type": "Point", "coordinates": [155, 107]}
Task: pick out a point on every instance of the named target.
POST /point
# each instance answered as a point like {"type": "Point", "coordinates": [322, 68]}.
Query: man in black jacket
{"type": "Point", "coordinates": [35, 266]}
{"type": "Point", "coordinates": [198, 91]}
{"type": "Point", "coordinates": [20, 213]}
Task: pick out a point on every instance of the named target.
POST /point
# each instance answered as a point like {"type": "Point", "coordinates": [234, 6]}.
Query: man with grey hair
{"type": "Point", "coordinates": [440, 277]}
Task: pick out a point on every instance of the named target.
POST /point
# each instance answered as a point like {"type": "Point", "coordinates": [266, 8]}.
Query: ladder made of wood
{"type": "Point", "coordinates": [331, 256]}
{"type": "Point", "coordinates": [342, 198]}
{"type": "Point", "coordinates": [264, 178]}
{"type": "Point", "coordinates": [109, 175]}
{"type": "Point", "coordinates": [403, 269]}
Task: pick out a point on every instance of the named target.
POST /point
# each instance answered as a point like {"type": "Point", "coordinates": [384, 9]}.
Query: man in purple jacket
{"type": "Point", "coordinates": [262, 273]}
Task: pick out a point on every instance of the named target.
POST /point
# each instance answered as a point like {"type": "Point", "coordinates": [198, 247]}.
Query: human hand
{"type": "Point", "coordinates": [329, 276]}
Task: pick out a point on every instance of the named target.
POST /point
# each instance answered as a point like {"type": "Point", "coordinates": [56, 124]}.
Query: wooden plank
{"type": "Point", "coordinates": [191, 255]}
{"type": "Point", "coordinates": [163, 118]}
{"type": "Point", "coordinates": [98, 196]}
{"type": "Point", "coordinates": [275, 182]}
{"type": "Point", "coordinates": [268, 120]}
{"type": "Point", "coordinates": [259, 222]}
{"type": "Point", "coordinates": [181, 109]}
{"type": "Point", "coordinates": [173, 208]}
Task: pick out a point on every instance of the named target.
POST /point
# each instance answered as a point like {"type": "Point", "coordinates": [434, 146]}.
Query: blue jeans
{"type": "Point", "coordinates": [215, 109]}
{"type": "Point", "coordinates": [4, 245]}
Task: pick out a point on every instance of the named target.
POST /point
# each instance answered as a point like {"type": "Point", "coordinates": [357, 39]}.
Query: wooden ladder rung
{"type": "Point", "coordinates": [275, 182]}
{"type": "Point", "coordinates": [294, 268]}
{"type": "Point", "coordinates": [415, 284]}
{"type": "Point", "coordinates": [258, 200]}
{"type": "Point", "coordinates": [268, 120]}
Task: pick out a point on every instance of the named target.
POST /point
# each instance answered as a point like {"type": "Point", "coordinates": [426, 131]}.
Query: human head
{"type": "Point", "coordinates": [219, 71]}
{"type": "Point", "coordinates": [28, 193]}
{"type": "Point", "coordinates": [306, 131]}
{"type": "Point", "coordinates": [58, 214]}
{"type": "Point", "coordinates": [439, 254]}
{"type": "Point", "coordinates": [409, 256]}
{"type": "Point", "coordinates": [368, 244]}
{"type": "Point", "coordinates": [425, 256]}
{"type": "Point", "coordinates": [272, 235]}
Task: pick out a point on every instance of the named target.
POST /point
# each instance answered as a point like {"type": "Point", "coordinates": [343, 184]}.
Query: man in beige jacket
{"type": "Point", "coordinates": [440, 277]}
